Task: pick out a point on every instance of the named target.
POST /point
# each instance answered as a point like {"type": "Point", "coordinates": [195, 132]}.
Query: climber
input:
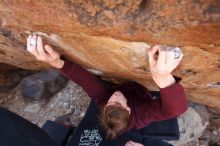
{"type": "Point", "coordinates": [129, 105]}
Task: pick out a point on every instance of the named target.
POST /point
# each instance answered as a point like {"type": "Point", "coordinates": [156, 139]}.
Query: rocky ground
{"type": "Point", "coordinates": [73, 100]}
{"type": "Point", "coordinates": [70, 100]}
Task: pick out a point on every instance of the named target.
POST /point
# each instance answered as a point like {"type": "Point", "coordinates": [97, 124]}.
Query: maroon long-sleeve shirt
{"type": "Point", "coordinates": [144, 109]}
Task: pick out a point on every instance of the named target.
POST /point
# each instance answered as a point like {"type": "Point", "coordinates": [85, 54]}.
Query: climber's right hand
{"type": "Point", "coordinates": [43, 53]}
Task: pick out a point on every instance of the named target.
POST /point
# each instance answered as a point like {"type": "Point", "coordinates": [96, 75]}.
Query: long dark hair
{"type": "Point", "coordinates": [114, 119]}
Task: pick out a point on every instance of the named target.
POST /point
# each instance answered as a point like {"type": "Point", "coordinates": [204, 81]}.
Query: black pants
{"type": "Point", "coordinates": [16, 131]}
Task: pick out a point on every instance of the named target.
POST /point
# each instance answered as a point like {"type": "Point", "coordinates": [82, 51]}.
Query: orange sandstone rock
{"type": "Point", "coordinates": [112, 36]}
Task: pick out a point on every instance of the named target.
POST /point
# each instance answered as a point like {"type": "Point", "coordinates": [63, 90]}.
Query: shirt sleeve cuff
{"type": "Point", "coordinates": [172, 89]}
{"type": "Point", "coordinates": [68, 67]}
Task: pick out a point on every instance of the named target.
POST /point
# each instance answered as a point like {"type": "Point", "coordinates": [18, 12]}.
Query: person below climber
{"type": "Point", "coordinates": [129, 105]}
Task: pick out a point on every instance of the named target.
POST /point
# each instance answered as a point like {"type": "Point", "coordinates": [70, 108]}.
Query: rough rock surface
{"type": "Point", "coordinates": [215, 117]}
{"type": "Point", "coordinates": [42, 85]}
{"type": "Point", "coordinates": [192, 124]}
{"type": "Point", "coordinates": [112, 36]}
{"type": "Point", "coordinates": [70, 100]}
{"type": "Point", "coordinates": [10, 76]}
